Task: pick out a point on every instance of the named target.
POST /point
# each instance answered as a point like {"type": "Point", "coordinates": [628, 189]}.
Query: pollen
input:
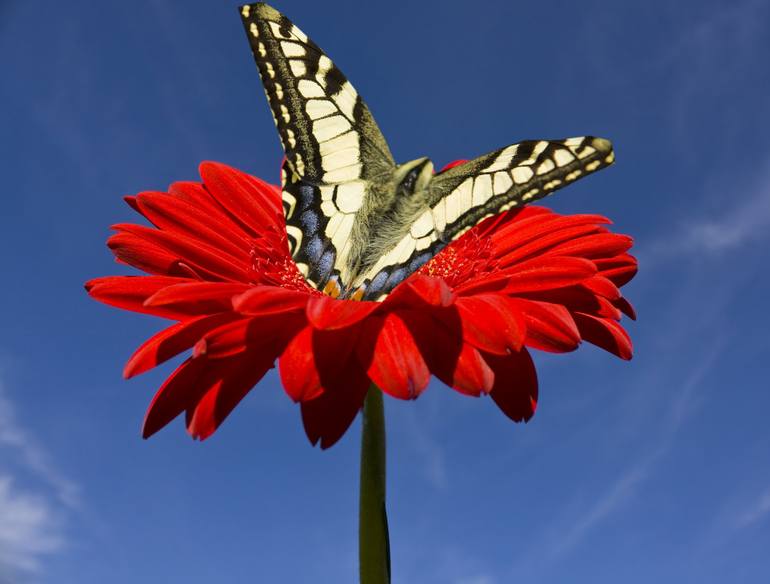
{"type": "Point", "coordinates": [271, 267]}
{"type": "Point", "coordinates": [466, 258]}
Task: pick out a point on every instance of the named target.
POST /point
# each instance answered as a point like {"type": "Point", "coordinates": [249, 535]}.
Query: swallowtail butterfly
{"type": "Point", "coordinates": [358, 223]}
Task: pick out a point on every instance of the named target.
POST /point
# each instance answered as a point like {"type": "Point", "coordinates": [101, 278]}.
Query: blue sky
{"type": "Point", "coordinates": [653, 470]}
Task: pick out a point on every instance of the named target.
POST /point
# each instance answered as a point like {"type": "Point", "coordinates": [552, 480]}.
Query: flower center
{"type": "Point", "coordinates": [464, 259]}
{"type": "Point", "coordinates": [275, 268]}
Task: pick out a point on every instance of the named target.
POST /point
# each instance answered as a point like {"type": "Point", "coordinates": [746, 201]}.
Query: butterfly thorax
{"type": "Point", "coordinates": [390, 210]}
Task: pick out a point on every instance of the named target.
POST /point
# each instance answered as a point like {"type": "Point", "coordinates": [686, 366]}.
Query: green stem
{"type": "Point", "coordinates": [373, 544]}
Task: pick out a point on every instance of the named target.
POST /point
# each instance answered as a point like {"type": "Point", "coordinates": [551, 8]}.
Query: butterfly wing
{"type": "Point", "coordinates": [464, 195]}
{"type": "Point", "coordinates": [334, 149]}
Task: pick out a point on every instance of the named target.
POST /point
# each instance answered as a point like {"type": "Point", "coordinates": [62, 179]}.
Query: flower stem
{"type": "Point", "coordinates": [373, 544]}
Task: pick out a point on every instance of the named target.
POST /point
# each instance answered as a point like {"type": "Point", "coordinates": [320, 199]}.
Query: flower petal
{"type": "Point", "coordinates": [492, 323]}
{"type": "Point", "coordinates": [620, 269]}
{"type": "Point", "coordinates": [216, 404]}
{"type": "Point", "coordinates": [316, 360]}
{"type": "Point", "coordinates": [602, 287]}
{"type": "Point", "coordinates": [171, 341]}
{"type": "Point", "coordinates": [515, 387]}
{"type": "Point", "coordinates": [472, 375]}
{"type": "Point", "coordinates": [542, 273]}
{"type": "Point", "coordinates": [421, 289]}
{"type": "Point", "coordinates": [605, 333]}
{"type": "Point", "coordinates": [438, 335]}
{"type": "Point", "coordinates": [597, 245]}
{"type": "Point", "coordinates": [248, 200]}
{"type": "Point", "coordinates": [130, 292]}
{"type": "Point", "coordinates": [625, 307]}
{"type": "Point", "coordinates": [147, 257]}
{"type": "Point", "coordinates": [327, 313]}
{"type": "Point", "coordinates": [263, 300]}
{"type": "Point", "coordinates": [266, 334]}
{"type": "Point", "coordinates": [196, 298]}
{"type": "Point", "coordinates": [184, 387]}
{"type": "Point", "coordinates": [173, 214]}
{"type": "Point", "coordinates": [550, 327]}
{"type": "Point", "coordinates": [392, 358]}
{"type": "Point", "coordinates": [327, 417]}
{"type": "Point", "coordinates": [207, 260]}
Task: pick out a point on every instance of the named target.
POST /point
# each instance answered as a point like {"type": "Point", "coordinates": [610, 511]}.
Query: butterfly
{"type": "Point", "coordinates": [357, 223]}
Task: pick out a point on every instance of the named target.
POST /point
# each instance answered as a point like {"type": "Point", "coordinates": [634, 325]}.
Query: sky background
{"type": "Point", "coordinates": [657, 470]}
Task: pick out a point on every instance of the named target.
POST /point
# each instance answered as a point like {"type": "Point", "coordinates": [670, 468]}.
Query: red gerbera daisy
{"type": "Point", "coordinates": [220, 268]}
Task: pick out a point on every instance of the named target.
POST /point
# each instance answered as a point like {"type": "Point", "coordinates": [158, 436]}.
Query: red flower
{"type": "Point", "coordinates": [219, 267]}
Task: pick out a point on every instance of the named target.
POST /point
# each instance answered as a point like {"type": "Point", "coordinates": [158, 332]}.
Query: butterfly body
{"type": "Point", "coordinates": [358, 223]}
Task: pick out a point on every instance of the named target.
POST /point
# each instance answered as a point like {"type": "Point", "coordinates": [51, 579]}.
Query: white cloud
{"type": "Point", "coordinates": [28, 529]}
{"type": "Point", "coordinates": [34, 500]}
{"type": "Point", "coordinates": [745, 220]}
{"type": "Point", "coordinates": [756, 512]}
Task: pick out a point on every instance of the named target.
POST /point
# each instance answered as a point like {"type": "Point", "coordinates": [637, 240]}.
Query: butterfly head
{"type": "Point", "coordinates": [413, 177]}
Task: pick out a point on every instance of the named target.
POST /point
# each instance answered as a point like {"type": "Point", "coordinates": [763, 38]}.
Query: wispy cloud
{"type": "Point", "coordinates": [29, 529]}
{"type": "Point", "coordinates": [34, 500]}
{"type": "Point", "coordinates": [31, 454]}
{"type": "Point", "coordinates": [744, 221]}
{"type": "Point", "coordinates": [575, 529]}
{"type": "Point", "coordinates": [758, 510]}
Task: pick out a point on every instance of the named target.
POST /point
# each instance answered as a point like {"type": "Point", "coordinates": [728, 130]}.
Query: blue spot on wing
{"type": "Point", "coordinates": [314, 249]}
{"type": "Point", "coordinates": [309, 222]}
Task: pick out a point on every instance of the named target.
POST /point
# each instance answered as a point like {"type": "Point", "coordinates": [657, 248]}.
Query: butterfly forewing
{"type": "Point", "coordinates": [464, 195]}
{"type": "Point", "coordinates": [333, 146]}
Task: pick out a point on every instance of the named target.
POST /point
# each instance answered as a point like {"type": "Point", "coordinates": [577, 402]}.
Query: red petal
{"type": "Point", "coordinates": [262, 300]}
{"type": "Point", "coordinates": [296, 365]}
{"type": "Point", "coordinates": [594, 246]}
{"type": "Point", "coordinates": [625, 307]}
{"type": "Point", "coordinates": [542, 273]}
{"type": "Point", "coordinates": [174, 214]}
{"type": "Point", "coordinates": [605, 333]}
{"type": "Point", "coordinates": [315, 361]}
{"type": "Point", "coordinates": [172, 341]}
{"type": "Point", "coordinates": [472, 375]}
{"type": "Point", "coordinates": [421, 289]}
{"type": "Point", "coordinates": [327, 417]}
{"type": "Point", "coordinates": [248, 200]}
{"type": "Point", "coordinates": [130, 292]}
{"type": "Point", "coordinates": [396, 365]}
{"type": "Point", "coordinates": [515, 387]}
{"type": "Point", "coordinates": [603, 287]}
{"type": "Point", "coordinates": [520, 240]}
{"type": "Point", "coordinates": [327, 313]}
{"type": "Point", "coordinates": [183, 388]}
{"type": "Point", "coordinates": [266, 334]}
{"type": "Point", "coordinates": [491, 323]}
{"type": "Point", "coordinates": [620, 269]}
{"type": "Point", "coordinates": [204, 258]}
{"type": "Point", "coordinates": [217, 403]}
{"type": "Point", "coordinates": [550, 327]}
{"type": "Point", "coordinates": [195, 298]}
{"type": "Point", "coordinates": [146, 256]}
{"type": "Point", "coordinates": [438, 335]}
